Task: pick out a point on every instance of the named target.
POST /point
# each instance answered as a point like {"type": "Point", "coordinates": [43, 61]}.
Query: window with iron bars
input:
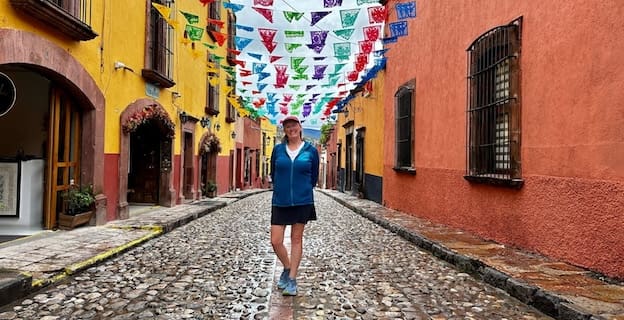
{"type": "Point", "coordinates": [214, 13]}
{"type": "Point", "coordinates": [230, 113]}
{"type": "Point", "coordinates": [404, 131]}
{"type": "Point", "coordinates": [80, 9]}
{"type": "Point", "coordinates": [70, 17]}
{"type": "Point", "coordinates": [212, 94]}
{"type": "Point", "coordinates": [159, 56]}
{"type": "Point", "coordinates": [231, 41]}
{"type": "Point", "coordinates": [493, 115]}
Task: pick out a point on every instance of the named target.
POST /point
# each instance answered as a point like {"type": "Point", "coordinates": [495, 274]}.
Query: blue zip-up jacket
{"type": "Point", "coordinates": [294, 181]}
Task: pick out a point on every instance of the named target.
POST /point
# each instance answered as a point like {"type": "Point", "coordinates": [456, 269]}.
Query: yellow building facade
{"type": "Point", "coordinates": [360, 141]}
{"type": "Point", "coordinates": [129, 97]}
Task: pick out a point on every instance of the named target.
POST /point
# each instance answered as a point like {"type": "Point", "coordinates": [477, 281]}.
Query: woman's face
{"type": "Point", "coordinates": [292, 129]}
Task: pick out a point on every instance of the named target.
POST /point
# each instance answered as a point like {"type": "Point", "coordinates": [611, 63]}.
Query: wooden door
{"type": "Point", "coordinates": [144, 171]}
{"type": "Point", "coordinates": [63, 153]}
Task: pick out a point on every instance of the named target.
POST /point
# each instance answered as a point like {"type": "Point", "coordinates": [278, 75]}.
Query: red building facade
{"type": "Point", "coordinates": [515, 124]}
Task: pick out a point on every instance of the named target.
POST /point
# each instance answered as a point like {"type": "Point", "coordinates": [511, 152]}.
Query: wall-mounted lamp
{"type": "Point", "coordinates": [204, 122]}
{"type": "Point", "coordinates": [233, 135]}
{"type": "Point", "coordinates": [121, 65]}
{"type": "Point", "coordinates": [217, 126]}
{"type": "Point", "coordinates": [184, 117]}
{"type": "Point", "coordinates": [175, 95]}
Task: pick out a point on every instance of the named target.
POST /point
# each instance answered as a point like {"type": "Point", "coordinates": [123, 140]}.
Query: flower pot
{"type": "Point", "coordinates": [68, 222]}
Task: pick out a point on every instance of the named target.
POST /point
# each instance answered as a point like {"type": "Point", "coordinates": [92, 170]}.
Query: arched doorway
{"type": "Point", "coordinates": [145, 156]}
{"type": "Point", "coordinates": [144, 169]}
{"type": "Point", "coordinates": [63, 111]}
{"type": "Point", "coordinates": [209, 148]}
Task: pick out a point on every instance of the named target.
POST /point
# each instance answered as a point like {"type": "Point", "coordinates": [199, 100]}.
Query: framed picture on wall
{"type": "Point", "coordinates": [9, 189]}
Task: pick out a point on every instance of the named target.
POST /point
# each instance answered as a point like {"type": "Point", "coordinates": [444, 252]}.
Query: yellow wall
{"type": "Point", "coordinates": [366, 112]}
{"type": "Point", "coordinates": [121, 29]}
{"type": "Point", "coordinates": [123, 39]}
{"type": "Point", "coordinates": [271, 131]}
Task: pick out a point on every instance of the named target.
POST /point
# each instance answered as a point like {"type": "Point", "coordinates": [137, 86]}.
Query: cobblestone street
{"type": "Point", "coordinates": [221, 266]}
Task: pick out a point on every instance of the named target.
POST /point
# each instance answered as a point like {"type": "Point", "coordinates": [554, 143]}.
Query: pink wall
{"type": "Point", "coordinates": [111, 183]}
{"type": "Point", "coordinates": [176, 167]}
{"type": "Point", "coordinates": [572, 82]}
{"type": "Point", "coordinates": [223, 174]}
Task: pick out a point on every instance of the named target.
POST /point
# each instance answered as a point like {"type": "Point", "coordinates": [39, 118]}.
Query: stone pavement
{"type": "Point", "coordinates": [28, 264]}
{"type": "Point", "coordinates": [555, 288]}
{"type": "Point", "coordinates": [558, 289]}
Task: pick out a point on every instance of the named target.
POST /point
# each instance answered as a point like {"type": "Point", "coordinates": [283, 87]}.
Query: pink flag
{"type": "Point", "coordinates": [371, 33]}
{"type": "Point", "coordinates": [376, 14]}
{"type": "Point", "coordinates": [366, 46]}
{"type": "Point", "coordinates": [281, 68]}
{"type": "Point", "coordinates": [267, 35]}
{"type": "Point", "coordinates": [267, 13]}
{"type": "Point", "coordinates": [266, 3]}
{"type": "Point", "coordinates": [270, 46]}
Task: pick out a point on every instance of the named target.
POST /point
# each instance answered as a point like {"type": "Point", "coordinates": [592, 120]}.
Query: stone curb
{"type": "Point", "coordinates": [15, 284]}
{"type": "Point", "coordinates": [547, 302]}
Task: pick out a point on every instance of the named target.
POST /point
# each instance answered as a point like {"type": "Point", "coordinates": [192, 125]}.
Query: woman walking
{"type": "Point", "coordinates": [294, 172]}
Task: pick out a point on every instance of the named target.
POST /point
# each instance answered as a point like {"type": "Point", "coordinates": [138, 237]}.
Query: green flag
{"type": "Point", "coordinates": [191, 18]}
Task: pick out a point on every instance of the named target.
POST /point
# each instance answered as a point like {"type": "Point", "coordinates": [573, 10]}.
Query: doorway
{"type": "Point", "coordinates": [209, 171]}
{"type": "Point", "coordinates": [63, 160]}
{"type": "Point", "coordinates": [348, 161]}
{"type": "Point", "coordinates": [187, 167]}
{"type": "Point", "coordinates": [144, 164]}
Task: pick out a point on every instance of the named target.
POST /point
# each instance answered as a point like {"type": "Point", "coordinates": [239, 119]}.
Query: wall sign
{"type": "Point", "coordinates": [7, 94]}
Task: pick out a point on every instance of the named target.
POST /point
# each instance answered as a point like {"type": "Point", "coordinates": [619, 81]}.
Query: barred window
{"type": "Point", "coordinates": [212, 88]}
{"type": "Point", "coordinates": [159, 55]}
{"type": "Point", "coordinates": [69, 17]}
{"type": "Point", "coordinates": [404, 140]}
{"type": "Point", "coordinates": [214, 13]}
{"type": "Point", "coordinates": [493, 115]}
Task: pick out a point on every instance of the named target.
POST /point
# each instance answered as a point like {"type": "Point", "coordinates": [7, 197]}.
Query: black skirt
{"type": "Point", "coordinates": [291, 215]}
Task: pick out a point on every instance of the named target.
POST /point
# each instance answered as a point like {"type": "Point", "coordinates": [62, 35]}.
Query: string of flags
{"type": "Point", "coordinates": [300, 62]}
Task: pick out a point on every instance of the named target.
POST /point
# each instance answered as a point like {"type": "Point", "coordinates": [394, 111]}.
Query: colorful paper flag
{"type": "Point", "coordinates": [291, 15]}
{"type": "Point", "coordinates": [194, 33]}
{"type": "Point", "coordinates": [317, 16]}
{"type": "Point", "coordinates": [190, 18]}
{"type": "Point", "coordinates": [348, 17]}
{"type": "Point", "coordinates": [344, 33]}
{"type": "Point", "coordinates": [377, 14]}
{"type": "Point", "coordinates": [266, 13]}
{"type": "Point", "coordinates": [406, 10]}
{"type": "Point", "coordinates": [398, 29]}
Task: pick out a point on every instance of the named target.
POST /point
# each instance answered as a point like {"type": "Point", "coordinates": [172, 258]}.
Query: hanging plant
{"type": "Point", "coordinates": [211, 144]}
{"type": "Point", "coordinates": [148, 113]}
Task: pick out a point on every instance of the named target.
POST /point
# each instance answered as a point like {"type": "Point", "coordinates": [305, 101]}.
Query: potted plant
{"type": "Point", "coordinates": [210, 189]}
{"type": "Point", "coordinates": [78, 206]}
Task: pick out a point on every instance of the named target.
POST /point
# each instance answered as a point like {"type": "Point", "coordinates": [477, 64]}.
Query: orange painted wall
{"type": "Point", "coordinates": [572, 92]}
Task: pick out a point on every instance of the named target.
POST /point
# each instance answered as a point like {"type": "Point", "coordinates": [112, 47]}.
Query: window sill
{"type": "Point", "coordinates": [52, 15]}
{"type": "Point", "coordinates": [210, 111]}
{"type": "Point", "coordinates": [510, 183]}
{"type": "Point", "coordinates": [410, 170]}
{"type": "Point", "coordinates": [157, 78]}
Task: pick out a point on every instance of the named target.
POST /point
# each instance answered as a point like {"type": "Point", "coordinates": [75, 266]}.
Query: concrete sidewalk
{"type": "Point", "coordinates": [558, 289]}
{"type": "Point", "coordinates": [555, 288]}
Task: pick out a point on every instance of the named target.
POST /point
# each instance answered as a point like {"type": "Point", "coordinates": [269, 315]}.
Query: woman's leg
{"type": "Point", "coordinates": [277, 241]}
{"type": "Point", "coordinates": [296, 249]}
